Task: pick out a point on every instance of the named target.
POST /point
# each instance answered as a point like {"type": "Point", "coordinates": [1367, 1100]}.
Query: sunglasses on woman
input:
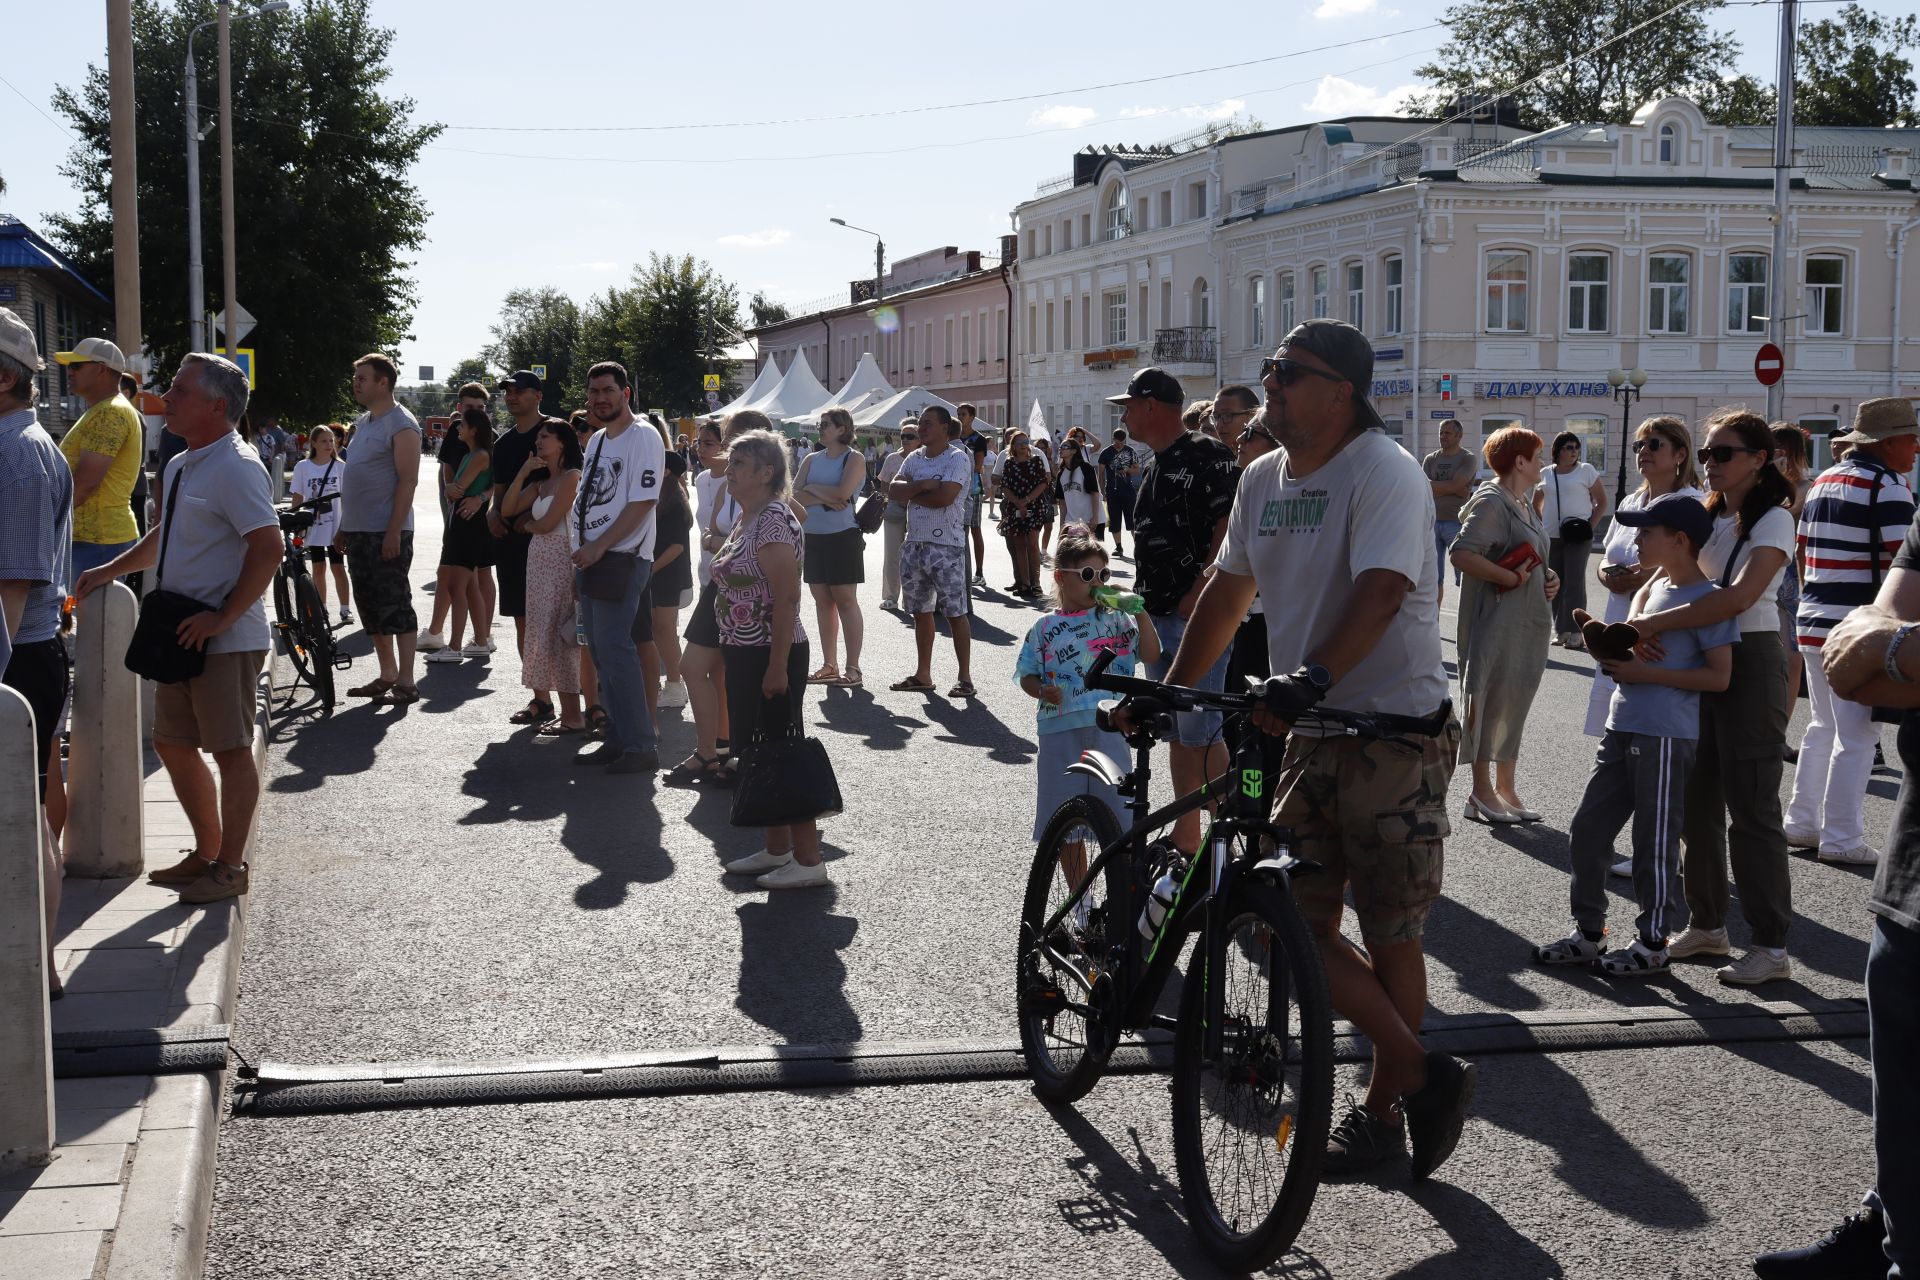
{"type": "Point", "coordinates": [1721, 453]}
{"type": "Point", "coordinates": [1260, 429]}
{"type": "Point", "coordinates": [1284, 373]}
{"type": "Point", "coordinates": [1649, 444]}
{"type": "Point", "coordinates": [1089, 574]}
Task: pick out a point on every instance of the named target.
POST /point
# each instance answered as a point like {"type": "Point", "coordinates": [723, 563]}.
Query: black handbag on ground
{"type": "Point", "coordinates": [785, 778]}
{"type": "Point", "coordinates": [155, 652]}
{"type": "Point", "coordinates": [608, 577]}
{"type": "Point", "coordinates": [1572, 529]}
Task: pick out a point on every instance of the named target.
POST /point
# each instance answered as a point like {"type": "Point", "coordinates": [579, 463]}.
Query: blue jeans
{"type": "Point", "coordinates": [1444, 532]}
{"type": "Point", "coordinates": [1191, 728]}
{"type": "Point", "coordinates": [91, 555]}
{"type": "Point", "coordinates": [1893, 1022]}
{"type": "Point", "coordinates": [623, 690]}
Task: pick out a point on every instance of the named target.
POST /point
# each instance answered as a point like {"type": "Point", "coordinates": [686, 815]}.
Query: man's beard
{"type": "Point", "coordinates": [608, 417]}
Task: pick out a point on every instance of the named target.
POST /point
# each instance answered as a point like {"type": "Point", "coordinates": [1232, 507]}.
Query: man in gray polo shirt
{"type": "Point", "coordinates": [376, 526]}
{"type": "Point", "coordinates": [221, 541]}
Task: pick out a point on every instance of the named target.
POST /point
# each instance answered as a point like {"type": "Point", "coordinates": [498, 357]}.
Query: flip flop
{"type": "Point", "coordinates": [962, 689]}
{"type": "Point", "coordinates": [912, 684]}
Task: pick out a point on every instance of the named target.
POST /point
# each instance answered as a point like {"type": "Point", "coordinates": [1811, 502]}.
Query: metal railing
{"type": "Point", "coordinates": [1191, 345]}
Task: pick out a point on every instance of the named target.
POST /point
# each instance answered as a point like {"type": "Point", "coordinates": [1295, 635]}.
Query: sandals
{"type": "Point", "coordinates": [538, 711]}
{"type": "Point", "coordinates": [401, 695]}
{"type": "Point", "coordinates": [961, 689]}
{"type": "Point", "coordinates": [697, 769]}
{"type": "Point", "coordinates": [375, 688]}
{"type": "Point", "coordinates": [851, 678]}
{"type": "Point", "coordinates": [912, 684]}
{"type": "Point", "coordinates": [1572, 949]}
{"type": "Point", "coordinates": [827, 674]}
{"type": "Point", "coordinates": [1636, 961]}
{"type": "Point", "coordinates": [598, 721]}
{"type": "Point", "coordinates": [557, 728]}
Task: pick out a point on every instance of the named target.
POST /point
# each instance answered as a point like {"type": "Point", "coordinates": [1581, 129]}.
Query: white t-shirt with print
{"type": "Point", "coordinates": [619, 470]}
{"type": "Point", "coordinates": [1306, 541]}
{"type": "Point", "coordinates": [1776, 529]}
{"type": "Point", "coordinates": [313, 481]}
{"type": "Point", "coordinates": [942, 526]}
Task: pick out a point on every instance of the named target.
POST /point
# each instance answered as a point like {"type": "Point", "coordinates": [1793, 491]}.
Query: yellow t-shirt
{"type": "Point", "coordinates": [112, 427]}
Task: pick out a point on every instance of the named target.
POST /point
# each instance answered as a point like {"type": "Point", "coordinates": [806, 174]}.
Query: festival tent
{"type": "Point", "coordinates": [864, 400]}
{"type": "Point", "coordinates": [798, 392]}
{"type": "Point", "coordinates": [762, 386]}
{"type": "Point", "coordinates": [867, 385]}
{"type": "Point", "coordinates": [887, 413]}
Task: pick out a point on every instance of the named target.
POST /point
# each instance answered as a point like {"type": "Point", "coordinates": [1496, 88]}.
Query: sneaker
{"type": "Point", "coordinates": [1758, 965]}
{"type": "Point", "coordinates": [428, 641]}
{"type": "Point", "coordinates": [1575, 948]}
{"type": "Point", "coordinates": [1865, 856]}
{"type": "Point", "coordinates": [222, 880]}
{"type": "Point", "coordinates": [1636, 961]}
{"type": "Point", "coordinates": [1362, 1140]}
{"type": "Point", "coordinates": [758, 864]}
{"type": "Point", "coordinates": [1802, 838]}
{"type": "Point", "coordinates": [478, 649]}
{"type": "Point", "coordinates": [673, 695]}
{"type": "Point", "coordinates": [1622, 868]}
{"type": "Point", "coordinates": [189, 869]}
{"type": "Point", "coordinates": [605, 753]}
{"type": "Point", "coordinates": [795, 876]}
{"type": "Point", "coordinates": [444, 655]}
{"type": "Point", "coordinates": [1854, 1250]}
{"type": "Point", "coordinates": [346, 617]}
{"type": "Point", "coordinates": [647, 762]}
{"type": "Point", "coordinates": [491, 646]}
{"type": "Point", "coordinates": [1438, 1111]}
{"type": "Point", "coordinates": [1700, 942]}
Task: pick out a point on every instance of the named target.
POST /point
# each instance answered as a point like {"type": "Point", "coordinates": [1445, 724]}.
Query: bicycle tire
{"type": "Point", "coordinates": [283, 617]}
{"type": "Point", "coordinates": [1272, 1097]}
{"type": "Point", "coordinates": [318, 638]}
{"type": "Point", "coordinates": [1063, 1069]}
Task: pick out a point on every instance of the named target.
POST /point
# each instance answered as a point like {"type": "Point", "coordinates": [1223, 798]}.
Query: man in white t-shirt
{"type": "Point", "coordinates": [611, 529]}
{"type": "Point", "coordinates": [932, 485]}
{"type": "Point", "coordinates": [1338, 525]}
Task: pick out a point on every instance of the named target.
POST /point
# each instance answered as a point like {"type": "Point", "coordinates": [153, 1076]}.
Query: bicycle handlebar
{"type": "Point", "coordinates": [1181, 698]}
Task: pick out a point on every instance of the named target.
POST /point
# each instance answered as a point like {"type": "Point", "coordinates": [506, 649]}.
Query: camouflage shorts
{"type": "Point", "coordinates": [1374, 816]}
{"type": "Point", "coordinates": [380, 588]}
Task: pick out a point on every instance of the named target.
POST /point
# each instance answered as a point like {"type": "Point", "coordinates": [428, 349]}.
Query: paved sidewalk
{"type": "Point", "coordinates": [129, 1190]}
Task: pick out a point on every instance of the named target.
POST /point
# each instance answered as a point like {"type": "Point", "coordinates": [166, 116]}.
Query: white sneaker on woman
{"type": "Point", "coordinates": [757, 863]}
{"type": "Point", "coordinates": [795, 876]}
{"type": "Point", "coordinates": [428, 641]}
{"type": "Point", "coordinates": [673, 695]}
{"type": "Point", "coordinates": [443, 655]}
{"type": "Point", "coordinates": [478, 649]}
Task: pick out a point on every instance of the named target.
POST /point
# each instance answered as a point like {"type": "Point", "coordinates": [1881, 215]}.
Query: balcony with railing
{"type": "Point", "coordinates": [1191, 345]}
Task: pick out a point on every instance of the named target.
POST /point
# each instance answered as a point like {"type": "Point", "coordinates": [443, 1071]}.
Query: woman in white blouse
{"type": "Point", "coordinates": [1570, 500]}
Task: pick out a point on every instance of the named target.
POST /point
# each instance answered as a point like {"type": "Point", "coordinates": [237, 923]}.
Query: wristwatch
{"type": "Point", "coordinates": [1317, 676]}
{"type": "Point", "coordinates": [1894, 642]}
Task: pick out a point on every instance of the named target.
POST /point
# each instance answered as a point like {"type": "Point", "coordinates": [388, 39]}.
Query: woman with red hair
{"type": "Point", "coordinates": [1505, 622]}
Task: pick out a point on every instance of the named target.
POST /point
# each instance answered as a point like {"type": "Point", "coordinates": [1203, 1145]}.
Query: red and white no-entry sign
{"type": "Point", "coordinates": [1768, 364]}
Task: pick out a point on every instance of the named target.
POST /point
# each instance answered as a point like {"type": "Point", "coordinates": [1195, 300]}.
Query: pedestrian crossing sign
{"type": "Point", "coordinates": [243, 356]}
{"type": "Point", "coordinates": [710, 382]}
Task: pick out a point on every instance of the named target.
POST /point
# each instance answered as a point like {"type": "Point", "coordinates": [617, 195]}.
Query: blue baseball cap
{"type": "Point", "coordinates": [1674, 511]}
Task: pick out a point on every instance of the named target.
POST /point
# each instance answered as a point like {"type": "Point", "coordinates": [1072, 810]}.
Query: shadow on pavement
{"type": "Point", "coordinates": [613, 825]}
{"type": "Point", "coordinates": [1847, 1086]}
{"type": "Point", "coordinates": [445, 687]}
{"type": "Point", "coordinates": [314, 748]}
{"type": "Point", "coordinates": [857, 713]}
{"type": "Point", "coordinates": [969, 723]}
{"type": "Point", "coordinates": [792, 979]}
{"type": "Point", "coordinates": [1484, 1243]}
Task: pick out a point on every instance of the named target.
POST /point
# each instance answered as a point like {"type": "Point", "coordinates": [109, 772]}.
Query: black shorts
{"type": "Point", "coordinates": [703, 628]}
{"type": "Point", "coordinates": [642, 630]}
{"type": "Point", "coordinates": [835, 559]}
{"type": "Point", "coordinates": [38, 673]}
{"type": "Point", "coordinates": [326, 555]}
{"type": "Point", "coordinates": [510, 567]}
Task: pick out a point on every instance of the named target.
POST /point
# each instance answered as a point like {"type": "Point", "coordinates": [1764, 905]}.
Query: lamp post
{"type": "Point", "coordinates": [879, 256]}
{"type": "Point", "coordinates": [1626, 384]}
{"type": "Point", "coordinates": [196, 280]}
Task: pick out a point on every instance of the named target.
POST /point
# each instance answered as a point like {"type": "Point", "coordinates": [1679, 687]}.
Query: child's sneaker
{"type": "Point", "coordinates": [1572, 949]}
{"type": "Point", "coordinates": [1700, 942]}
{"type": "Point", "coordinates": [1636, 961]}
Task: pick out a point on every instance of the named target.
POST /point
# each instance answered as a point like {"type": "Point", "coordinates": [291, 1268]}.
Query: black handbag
{"type": "Point", "coordinates": [871, 512]}
{"type": "Point", "coordinates": [785, 778]}
{"type": "Point", "coordinates": [155, 652]}
{"type": "Point", "coordinates": [1572, 529]}
{"type": "Point", "coordinates": [608, 577]}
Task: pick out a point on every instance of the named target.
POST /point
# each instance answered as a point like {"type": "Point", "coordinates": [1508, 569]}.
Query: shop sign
{"type": "Point", "coordinates": [1550, 390]}
{"type": "Point", "coordinates": [1108, 356]}
{"type": "Point", "coordinates": [1389, 353]}
{"type": "Point", "coordinates": [1384, 387]}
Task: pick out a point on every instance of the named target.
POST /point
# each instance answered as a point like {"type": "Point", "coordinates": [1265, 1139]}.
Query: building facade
{"type": "Point", "coordinates": [45, 288]}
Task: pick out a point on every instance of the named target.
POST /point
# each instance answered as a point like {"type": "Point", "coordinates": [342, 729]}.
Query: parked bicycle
{"type": "Point", "coordinates": [1106, 918]}
{"type": "Point", "coordinates": [299, 615]}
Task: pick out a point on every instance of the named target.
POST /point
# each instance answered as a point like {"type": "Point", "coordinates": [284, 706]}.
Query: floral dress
{"type": "Point", "coordinates": [743, 604]}
{"type": "Point", "coordinates": [551, 660]}
{"type": "Point", "coordinates": [1019, 478]}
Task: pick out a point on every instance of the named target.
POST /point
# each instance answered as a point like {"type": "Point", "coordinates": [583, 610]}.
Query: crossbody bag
{"type": "Point", "coordinates": [1574, 529]}
{"type": "Point", "coordinates": [155, 652]}
{"type": "Point", "coordinates": [609, 577]}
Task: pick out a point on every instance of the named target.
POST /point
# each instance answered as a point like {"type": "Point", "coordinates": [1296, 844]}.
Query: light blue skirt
{"type": "Point", "coordinates": [1059, 750]}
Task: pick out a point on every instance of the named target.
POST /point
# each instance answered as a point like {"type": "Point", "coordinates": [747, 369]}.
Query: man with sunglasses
{"type": "Point", "coordinates": [1335, 532]}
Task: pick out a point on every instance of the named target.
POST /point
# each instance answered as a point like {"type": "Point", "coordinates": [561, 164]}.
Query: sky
{"type": "Point", "coordinates": [581, 132]}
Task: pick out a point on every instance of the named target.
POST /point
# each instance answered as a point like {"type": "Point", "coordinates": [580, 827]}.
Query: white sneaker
{"type": "Point", "coordinates": [428, 641]}
{"type": "Point", "coordinates": [1756, 967]}
{"type": "Point", "coordinates": [346, 617]}
{"type": "Point", "coordinates": [1700, 942]}
{"type": "Point", "coordinates": [1802, 838]}
{"type": "Point", "coordinates": [754, 864]}
{"type": "Point", "coordinates": [443, 655]}
{"type": "Point", "coordinates": [1623, 868]}
{"type": "Point", "coordinates": [1865, 856]}
{"type": "Point", "coordinates": [479, 649]}
{"type": "Point", "coordinates": [673, 695]}
{"type": "Point", "coordinates": [491, 646]}
{"type": "Point", "coordinates": [795, 876]}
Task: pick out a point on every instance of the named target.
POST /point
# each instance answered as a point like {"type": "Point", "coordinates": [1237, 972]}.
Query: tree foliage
{"type": "Point", "coordinates": [1851, 71]}
{"type": "Point", "coordinates": [324, 214]}
{"type": "Point", "coordinates": [766, 311]}
{"type": "Point", "coordinates": [540, 326]}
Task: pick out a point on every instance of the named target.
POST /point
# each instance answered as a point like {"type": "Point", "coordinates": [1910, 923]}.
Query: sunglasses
{"type": "Point", "coordinates": [1262, 432]}
{"type": "Point", "coordinates": [1089, 574]}
{"type": "Point", "coordinates": [1284, 373]}
{"type": "Point", "coordinates": [1649, 444]}
{"type": "Point", "coordinates": [1721, 453]}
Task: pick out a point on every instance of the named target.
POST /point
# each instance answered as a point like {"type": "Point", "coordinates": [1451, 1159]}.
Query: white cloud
{"type": "Point", "coordinates": [1062, 116]}
{"type": "Point", "coordinates": [600, 267]}
{"type": "Point", "coordinates": [1344, 8]}
{"type": "Point", "coordinates": [1337, 97]}
{"type": "Point", "coordinates": [758, 239]}
{"type": "Point", "coordinates": [1221, 110]}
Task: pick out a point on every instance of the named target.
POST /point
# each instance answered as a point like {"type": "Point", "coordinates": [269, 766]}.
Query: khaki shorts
{"type": "Point", "coordinates": [1374, 816]}
{"type": "Point", "coordinates": [214, 711]}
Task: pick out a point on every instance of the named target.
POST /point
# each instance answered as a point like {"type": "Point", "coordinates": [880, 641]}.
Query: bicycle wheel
{"type": "Point", "coordinates": [1250, 1130]}
{"type": "Point", "coordinates": [283, 618]}
{"type": "Point", "coordinates": [317, 637]}
{"type": "Point", "coordinates": [1066, 979]}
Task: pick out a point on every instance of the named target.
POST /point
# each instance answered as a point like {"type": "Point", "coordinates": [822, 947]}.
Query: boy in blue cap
{"type": "Point", "coordinates": [1653, 727]}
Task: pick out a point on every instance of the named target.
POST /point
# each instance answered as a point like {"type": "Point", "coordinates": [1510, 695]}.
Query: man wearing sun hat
{"type": "Point", "coordinates": [104, 449]}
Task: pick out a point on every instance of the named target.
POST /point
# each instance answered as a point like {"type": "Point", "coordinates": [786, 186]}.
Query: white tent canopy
{"type": "Point", "coordinates": [863, 400]}
{"type": "Point", "coordinates": [887, 413]}
{"type": "Point", "coordinates": [867, 386]}
{"type": "Point", "coordinates": [798, 392]}
{"type": "Point", "coordinates": [762, 386]}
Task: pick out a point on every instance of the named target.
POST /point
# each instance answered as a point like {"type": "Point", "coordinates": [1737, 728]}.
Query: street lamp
{"type": "Point", "coordinates": [196, 284]}
{"type": "Point", "coordinates": [1626, 384]}
{"type": "Point", "coordinates": [879, 256]}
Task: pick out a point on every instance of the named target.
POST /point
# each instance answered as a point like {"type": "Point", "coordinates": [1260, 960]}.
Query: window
{"type": "Point", "coordinates": [1746, 292]}
{"type": "Point", "coordinates": [1166, 304]}
{"type": "Point", "coordinates": [1592, 430]}
{"type": "Point", "coordinates": [1066, 235]}
{"type": "Point", "coordinates": [1086, 317]}
{"type": "Point", "coordinates": [1049, 334]}
{"type": "Point", "coordinates": [1140, 329]}
{"type": "Point", "coordinates": [929, 347]}
{"type": "Point", "coordinates": [1001, 333]}
{"type": "Point", "coordinates": [1256, 312]}
{"type": "Point", "coordinates": [1357, 295]}
{"type": "Point", "coordinates": [1066, 325]}
{"type": "Point", "coordinates": [1286, 303]}
{"type": "Point", "coordinates": [1826, 294]}
{"type": "Point", "coordinates": [1031, 240]}
{"type": "Point", "coordinates": [1587, 292]}
{"type": "Point", "coordinates": [1086, 228]}
{"type": "Point", "coordinates": [1392, 320]}
{"type": "Point", "coordinates": [1116, 222]}
{"type": "Point", "coordinates": [911, 331]}
{"type": "Point", "coordinates": [1667, 281]}
{"type": "Point", "coordinates": [1048, 229]}
{"type": "Point", "coordinates": [1820, 432]}
{"type": "Point", "coordinates": [1667, 140]}
{"type": "Point", "coordinates": [1202, 305]}
{"type": "Point", "coordinates": [1197, 200]}
{"type": "Point", "coordinates": [1319, 278]}
{"type": "Point", "coordinates": [1140, 214]}
{"type": "Point", "coordinates": [1166, 208]}
{"type": "Point", "coordinates": [949, 347]}
{"type": "Point", "coordinates": [1033, 328]}
{"type": "Point", "coordinates": [1507, 292]}
{"type": "Point", "coordinates": [966, 339]}
{"type": "Point", "coordinates": [1116, 305]}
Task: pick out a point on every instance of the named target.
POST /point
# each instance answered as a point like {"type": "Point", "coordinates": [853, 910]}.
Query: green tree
{"type": "Point", "coordinates": [472, 369]}
{"type": "Point", "coordinates": [1738, 99]}
{"type": "Point", "coordinates": [540, 326]}
{"type": "Point", "coordinates": [1497, 45]}
{"type": "Point", "coordinates": [325, 215]}
{"type": "Point", "coordinates": [1851, 71]}
{"type": "Point", "coordinates": [666, 325]}
{"type": "Point", "coordinates": [766, 311]}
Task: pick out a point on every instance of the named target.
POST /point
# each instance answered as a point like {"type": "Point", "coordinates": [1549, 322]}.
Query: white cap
{"type": "Point", "coordinates": [16, 341]}
{"type": "Point", "coordinates": [95, 351]}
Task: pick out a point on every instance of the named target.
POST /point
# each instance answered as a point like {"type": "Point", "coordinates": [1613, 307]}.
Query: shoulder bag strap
{"type": "Point", "coordinates": [1733, 558]}
{"type": "Point", "coordinates": [586, 491]}
{"type": "Point", "coordinates": [1873, 530]}
{"type": "Point", "coordinates": [166, 525]}
{"type": "Point", "coordinates": [1559, 503]}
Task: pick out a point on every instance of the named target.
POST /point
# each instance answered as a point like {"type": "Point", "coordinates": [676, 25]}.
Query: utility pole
{"type": "Point", "coordinates": [1778, 305]}
{"type": "Point", "coordinates": [229, 269]}
{"type": "Point", "coordinates": [126, 187]}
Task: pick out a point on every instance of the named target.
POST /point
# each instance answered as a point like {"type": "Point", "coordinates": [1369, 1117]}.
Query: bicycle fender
{"type": "Point", "coordinates": [1096, 764]}
{"type": "Point", "coordinates": [1288, 865]}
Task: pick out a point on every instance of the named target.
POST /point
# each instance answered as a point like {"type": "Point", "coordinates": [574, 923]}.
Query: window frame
{"type": "Point", "coordinates": [1319, 288]}
{"type": "Point", "coordinates": [1586, 290]}
{"type": "Point", "coordinates": [1109, 300]}
{"type": "Point", "coordinates": [1748, 287]}
{"type": "Point", "coordinates": [1113, 219]}
{"type": "Point", "coordinates": [1256, 311]}
{"type": "Point", "coordinates": [1667, 142]}
{"type": "Point", "coordinates": [1509, 290]}
{"type": "Point", "coordinates": [1356, 291]}
{"type": "Point", "coordinates": [1664, 290]}
{"type": "Point", "coordinates": [1393, 272]}
{"type": "Point", "coordinates": [1837, 290]}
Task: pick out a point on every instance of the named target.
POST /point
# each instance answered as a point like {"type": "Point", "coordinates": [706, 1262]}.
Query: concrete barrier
{"type": "Point", "coordinates": [105, 835]}
{"type": "Point", "coordinates": [26, 1023]}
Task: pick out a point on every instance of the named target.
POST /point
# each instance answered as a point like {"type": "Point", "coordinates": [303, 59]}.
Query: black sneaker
{"type": "Point", "coordinates": [1851, 1251]}
{"type": "Point", "coordinates": [605, 753]}
{"type": "Point", "coordinates": [1362, 1140]}
{"type": "Point", "coordinates": [1436, 1113]}
{"type": "Point", "coordinates": [636, 762]}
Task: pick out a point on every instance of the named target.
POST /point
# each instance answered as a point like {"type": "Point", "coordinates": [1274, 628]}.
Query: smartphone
{"type": "Point", "coordinates": [1617, 570]}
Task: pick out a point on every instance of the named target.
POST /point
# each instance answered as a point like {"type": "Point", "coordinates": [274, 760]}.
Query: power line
{"type": "Point", "coordinates": [36, 106]}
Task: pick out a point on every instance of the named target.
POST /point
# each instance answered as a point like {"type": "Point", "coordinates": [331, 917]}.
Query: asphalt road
{"type": "Point", "coordinates": [437, 884]}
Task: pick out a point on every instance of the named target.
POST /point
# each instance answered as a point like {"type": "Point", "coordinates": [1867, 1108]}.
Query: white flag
{"type": "Point", "coordinates": [1037, 424]}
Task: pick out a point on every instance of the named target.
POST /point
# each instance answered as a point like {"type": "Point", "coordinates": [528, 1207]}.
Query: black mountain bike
{"type": "Point", "coordinates": [1106, 918]}
{"type": "Point", "coordinates": [299, 615]}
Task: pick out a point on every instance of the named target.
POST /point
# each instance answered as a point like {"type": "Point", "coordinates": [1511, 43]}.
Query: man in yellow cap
{"type": "Point", "coordinates": [104, 449]}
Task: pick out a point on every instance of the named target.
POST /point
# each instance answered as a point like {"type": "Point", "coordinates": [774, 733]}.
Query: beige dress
{"type": "Point", "coordinates": [1503, 636]}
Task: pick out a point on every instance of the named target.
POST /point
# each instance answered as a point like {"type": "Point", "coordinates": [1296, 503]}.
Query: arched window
{"type": "Point", "coordinates": [1202, 305]}
{"type": "Point", "coordinates": [1667, 140]}
{"type": "Point", "coordinates": [1116, 212]}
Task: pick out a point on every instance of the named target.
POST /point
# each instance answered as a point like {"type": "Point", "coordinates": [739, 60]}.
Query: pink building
{"type": "Point", "coordinates": [940, 323]}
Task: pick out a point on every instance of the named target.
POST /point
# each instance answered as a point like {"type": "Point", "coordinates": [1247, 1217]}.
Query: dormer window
{"type": "Point", "coordinates": [1667, 144]}
{"type": "Point", "coordinates": [1116, 212]}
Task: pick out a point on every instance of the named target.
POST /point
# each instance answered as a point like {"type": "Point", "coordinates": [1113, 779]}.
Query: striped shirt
{"type": "Point", "coordinates": [1843, 554]}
